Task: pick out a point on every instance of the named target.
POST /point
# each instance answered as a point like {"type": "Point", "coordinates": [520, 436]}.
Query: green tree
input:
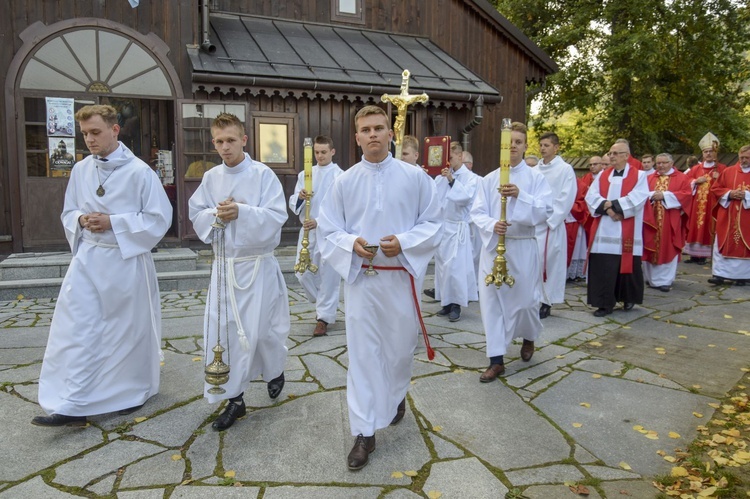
{"type": "Point", "coordinates": [660, 73]}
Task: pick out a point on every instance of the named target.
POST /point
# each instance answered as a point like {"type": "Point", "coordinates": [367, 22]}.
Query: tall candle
{"type": "Point", "coordinates": [308, 164]}
{"type": "Point", "coordinates": [505, 152]}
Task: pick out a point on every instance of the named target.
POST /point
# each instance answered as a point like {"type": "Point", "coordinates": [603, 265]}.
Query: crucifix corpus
{"type": "Point", "coordinates": [402, 101]}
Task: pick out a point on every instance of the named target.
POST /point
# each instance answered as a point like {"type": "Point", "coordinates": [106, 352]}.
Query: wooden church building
{"type": "Point", "coordinates": [290, 69]}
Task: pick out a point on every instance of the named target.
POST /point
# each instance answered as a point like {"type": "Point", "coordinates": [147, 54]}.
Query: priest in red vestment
{"type": "Point", "coordinates": [731, 252]}
{"type": "Point", "coordinates": [596, 164]}
{"type": "Point", "coordinates": [700, 223]}
{"type": "Point", "coordinates": [669, 202]}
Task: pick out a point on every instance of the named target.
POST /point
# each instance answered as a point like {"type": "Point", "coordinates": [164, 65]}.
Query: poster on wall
{"type": "Point", "coordinates": [61, 158]}
{"type": "Point", "coordinates": [60, 117]}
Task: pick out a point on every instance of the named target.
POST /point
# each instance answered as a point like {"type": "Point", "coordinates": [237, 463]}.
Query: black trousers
{"type": "Point", "coordinates": [607, 286]}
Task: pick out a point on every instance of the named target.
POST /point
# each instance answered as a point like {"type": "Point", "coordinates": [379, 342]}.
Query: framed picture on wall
{"type": "Point", "coordinates": [274, 140]}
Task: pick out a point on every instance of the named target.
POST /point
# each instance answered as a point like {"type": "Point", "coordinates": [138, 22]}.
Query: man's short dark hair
{"type": "Point", "coordinates": [551, 136]}
{"type": "Point", "coordinates": [324, 140]}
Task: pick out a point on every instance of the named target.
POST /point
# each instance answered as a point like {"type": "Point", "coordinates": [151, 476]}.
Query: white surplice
{"type": "Point", "coordinates": [512, 312]}
{"type": "Point", "coordinates": [104, 343]}
{"type": "Point", "coordinates": [373, 201]}
{"type": "Point", "coordinates": [322, 287]}
{"type": "Point", "coordinates": [608, 237]}
{"type": "Point", "coordinates": [552, 237]}
{"type": "Point", "coordinates": [455, 277]}
{"type": "Point", "coordinates": [256, 295]}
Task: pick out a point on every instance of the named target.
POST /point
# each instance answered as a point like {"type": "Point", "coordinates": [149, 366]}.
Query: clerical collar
{"type": "Point", "coordinates": [671, 170]}
{"type": "Point", "coordinates": [745, 169]}
{"type": "Point", "coordinates": [709, 164]}
{"type": "Point", "coordinates": [618, 173]}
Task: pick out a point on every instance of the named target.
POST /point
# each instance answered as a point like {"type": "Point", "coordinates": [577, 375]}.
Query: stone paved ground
{"type": "Point", "coordinates": [566, 416]}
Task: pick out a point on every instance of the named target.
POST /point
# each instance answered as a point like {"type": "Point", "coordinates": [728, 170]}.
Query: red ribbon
{"type": "Point", "coordinates": [430, 351]}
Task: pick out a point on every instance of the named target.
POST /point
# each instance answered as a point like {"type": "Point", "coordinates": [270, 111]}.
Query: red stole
{"type": "Point", "coordinates": [628, 224]}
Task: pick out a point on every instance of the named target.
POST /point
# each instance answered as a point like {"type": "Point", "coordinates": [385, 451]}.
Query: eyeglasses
{"type": "Point", "coordinates": [615, 153]}
{"type": "Point", "coordinates": [663, 162]}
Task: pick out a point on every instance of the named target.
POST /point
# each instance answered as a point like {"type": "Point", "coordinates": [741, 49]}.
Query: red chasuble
{"type": "Point", "coordinates": [580, 212]}
{"type": "Point", "coordinates": [587, 180]}
{"type": "Point", "coordinates": [732, 223]}
{"type": "Point", "coordinates": [664, 229]}
{"type": "Point", "coordinates": [700, 221]}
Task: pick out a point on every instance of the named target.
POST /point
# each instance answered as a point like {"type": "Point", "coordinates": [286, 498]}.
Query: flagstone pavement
{"type": "Point", "coordinates": [565, 416]}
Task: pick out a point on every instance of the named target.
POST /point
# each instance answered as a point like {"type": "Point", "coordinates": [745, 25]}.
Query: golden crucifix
{"type": "Point", "coordinates": [402, 101]}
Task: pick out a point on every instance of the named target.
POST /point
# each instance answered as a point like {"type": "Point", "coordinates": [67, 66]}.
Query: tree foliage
{"type": "Point", "coordinates": [660, 73]}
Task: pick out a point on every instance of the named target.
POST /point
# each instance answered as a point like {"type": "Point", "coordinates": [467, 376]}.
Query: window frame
{"type": "Point", "coordinates": [346, 17]}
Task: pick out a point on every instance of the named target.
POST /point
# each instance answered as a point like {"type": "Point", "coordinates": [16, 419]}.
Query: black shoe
{"type": "Point", "coordinates": [430, 292]}
{"type": "Point", "coordinates": [275, 386]}
{"type": "Point", "coordinates": [700, 261]}
{"type": "Point", "coordinates": [544, 311]}
{"type": "Point", "coordinates": [664, 289]}
{"type": "Point", "coordinates": [59, 420]}
{"type": "Point", "coordinates": [628, 305]}
{"type": "Point", "coordinates": [716, 280]}
{"type": "Point", "coordinates": [399, 412]}
{"type": "Point", "coordinates": [455, 313]}
{"type": "Point", "coordinates": [130, 410]}
{"type": "Point", "coordinates": [229, 416]}
{"type": "Point", "coordinates": [740, 282]}
{"type": "Point", "coordinates": [601, 312]}
{"type": "Point", "coordinates": [445, 311]}
{"type": "Point", "coordinates": [360, 453]}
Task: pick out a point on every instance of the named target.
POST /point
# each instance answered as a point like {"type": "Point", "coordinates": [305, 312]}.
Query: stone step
{"type": "Point", "coordinates": [26, 266]}
{"type": "Point", "coordinates": [180, 280]}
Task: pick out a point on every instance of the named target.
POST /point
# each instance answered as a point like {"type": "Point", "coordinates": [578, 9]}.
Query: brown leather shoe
{"type": "Point", "coordinates": [527, 350]}
{"type": "Point", "coordinates": [399, 412]}
{"type": "Point", "coordinates": [321, 329]}
{"type": "Point", "coordinates": [360, 453]}
{"type": "Point", "coordinates": [492, 373]}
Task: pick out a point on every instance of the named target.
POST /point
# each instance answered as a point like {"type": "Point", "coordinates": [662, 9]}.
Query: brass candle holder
{"type": "Point", "coordinates": [372, 248]}
{"type": "Point", "coordinates": [304, 262]}
{"type": "Point", "coordinates": [500, 275]}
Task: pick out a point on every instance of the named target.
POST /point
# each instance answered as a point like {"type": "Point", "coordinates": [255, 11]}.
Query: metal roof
{"type": "Point", "coordinates": [260, 51]}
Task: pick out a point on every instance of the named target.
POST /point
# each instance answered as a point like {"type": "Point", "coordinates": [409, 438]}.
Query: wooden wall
{"type": "Point", "coordinates": [458, 27]}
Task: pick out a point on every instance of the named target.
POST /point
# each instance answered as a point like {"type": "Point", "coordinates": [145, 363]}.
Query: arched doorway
{"type": "Point", "coordinates": [59, 69]}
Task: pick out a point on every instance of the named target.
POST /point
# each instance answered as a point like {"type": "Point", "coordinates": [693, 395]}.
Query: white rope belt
{"type": "Point", "coordinates": [100, 244]}
{"type": "Point", "coordinates": [232, 285]}
{"type": "Point", "coordinates": [519, 238]}
{"type": "Point", "coordinates": [461, 234]}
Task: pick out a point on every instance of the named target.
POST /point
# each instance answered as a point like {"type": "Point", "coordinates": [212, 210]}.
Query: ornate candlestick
{"type": "Point", "coordinates": [499, 273]}
{"type": "Point", "coordinates": [305, 262]}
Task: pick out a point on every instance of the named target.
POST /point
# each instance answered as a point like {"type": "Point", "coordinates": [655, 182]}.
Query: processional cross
{"type": "Point", "coordinates": [402, 101]}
